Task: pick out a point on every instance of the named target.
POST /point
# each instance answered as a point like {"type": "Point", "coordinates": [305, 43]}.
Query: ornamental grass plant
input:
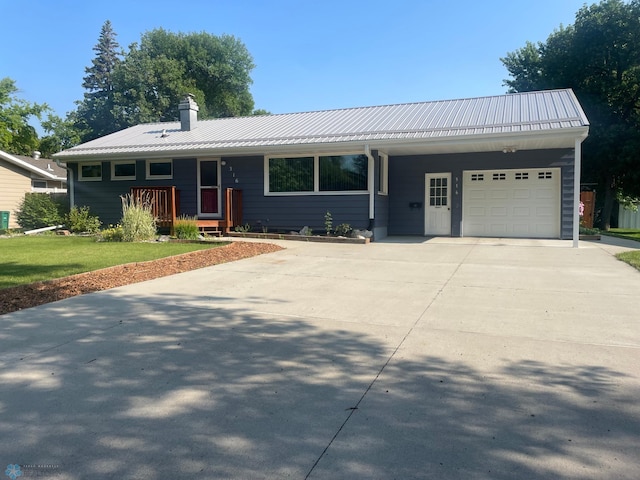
{"type": "Point", "coordinates": [138, 222]}
{"type": "Point", "coordinates": [186, 228]}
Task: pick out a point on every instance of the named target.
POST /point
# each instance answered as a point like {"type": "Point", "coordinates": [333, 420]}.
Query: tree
{"type": "Point", "coordinates": [95, 114]}
{"type": "Point", "coordinates": [599, 58]}
{"type": "Point", "coordinates": [156, 74]}
{"type": "Point", "coordinates": [16, 134]}
{"type": "Point", "coordinates": [62, 134]}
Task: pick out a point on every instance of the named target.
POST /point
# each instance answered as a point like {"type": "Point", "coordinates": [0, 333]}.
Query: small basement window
{"type": "Point", "coordinates": [159, 169]}
{"type": "Point", "coordinates": [90, 172]}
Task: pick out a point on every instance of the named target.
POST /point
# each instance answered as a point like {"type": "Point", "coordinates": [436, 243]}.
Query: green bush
{"type": "Point", "coordinates": [343, 230]}
{"type": "Point", "coordinates": [186, 228]}
{"type": "Point", "coordinates": [80, 220]}
{"type": "Point", "coordinates": [138, 222]}
{"type": "Point", "coordinates": [38, 210]}
{"type": "Point", "coordinates": [111, 234]}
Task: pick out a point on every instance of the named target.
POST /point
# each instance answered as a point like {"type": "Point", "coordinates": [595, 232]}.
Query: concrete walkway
{"type": "Point", "coordinates": [407, 359]}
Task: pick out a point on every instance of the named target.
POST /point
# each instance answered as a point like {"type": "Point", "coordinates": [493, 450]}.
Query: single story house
{"type": "Point", "coordinates": [20, 174]}
{"type": "Point", "coordinates": [499, 166]}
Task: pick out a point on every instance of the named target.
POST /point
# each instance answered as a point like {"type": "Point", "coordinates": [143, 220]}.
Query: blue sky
{"type": "Point", "coordinates": [309, 55]}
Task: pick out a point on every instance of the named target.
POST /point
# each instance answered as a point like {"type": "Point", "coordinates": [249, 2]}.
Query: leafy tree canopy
{"type": "Point", "coordinates": [599, 58]}
{"type": "Point", "coordinates": [157, 73]}
{"type": "Point", "coordinates": [16, 134]}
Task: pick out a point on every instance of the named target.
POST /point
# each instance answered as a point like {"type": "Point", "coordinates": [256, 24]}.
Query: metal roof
{"type": "Point", "coordinates": [498, 117]}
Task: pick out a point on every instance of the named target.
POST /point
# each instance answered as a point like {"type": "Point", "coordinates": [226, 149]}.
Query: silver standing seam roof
{"type": "Point", "coordinates": [484, 123]}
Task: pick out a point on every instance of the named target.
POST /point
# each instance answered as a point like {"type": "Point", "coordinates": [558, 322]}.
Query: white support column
{"type": "Point", "coordinates": [371, 185]}
{"type": "Point", "coordinates": [576, 191]}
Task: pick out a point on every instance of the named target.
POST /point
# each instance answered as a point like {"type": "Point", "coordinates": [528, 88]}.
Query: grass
{"type": "Point", "coordinates": [35, 258]}
{"type": "Point", "coordinates": [629, 234]}
{"type": "Point", "coordinates": [632, 257]}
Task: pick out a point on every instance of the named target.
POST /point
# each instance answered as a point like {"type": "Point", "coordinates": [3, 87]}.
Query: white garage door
{"type": "Point", "coordinates": [511, 203]}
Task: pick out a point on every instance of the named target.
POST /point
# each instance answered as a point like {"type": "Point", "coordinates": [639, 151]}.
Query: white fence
{"type": "Point", "coordinates": [628, 219]}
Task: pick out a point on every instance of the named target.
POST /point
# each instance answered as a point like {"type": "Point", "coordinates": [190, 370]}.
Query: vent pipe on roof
{"type": "Point", "coordinates": [188, 113]}
{"type": "Point", "coordinates": [36, 154]}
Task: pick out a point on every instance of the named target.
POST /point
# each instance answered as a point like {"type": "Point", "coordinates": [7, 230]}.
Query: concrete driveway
{"type": "Point", "coordinates": [407, 359]}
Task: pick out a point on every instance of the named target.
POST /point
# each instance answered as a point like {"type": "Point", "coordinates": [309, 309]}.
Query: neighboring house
{"type": "Point", "coordinates": [502, 166]}
{"type": "Point", "coordinates": [20, 174]}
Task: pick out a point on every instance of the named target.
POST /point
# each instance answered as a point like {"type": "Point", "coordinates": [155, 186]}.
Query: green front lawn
{"type": "Point", "coordinates": [632, 257]}
{"type": "Point", "coordinates": [630, 234]}
{"type": "Point", "coordinates": [28, 259]}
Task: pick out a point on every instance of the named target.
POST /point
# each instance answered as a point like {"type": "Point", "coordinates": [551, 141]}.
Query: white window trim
{"type": "Point", "coordinates": [123, 162]}
{"type": "Point", "coordinates": [316, 176]}
{"type": "Point", "coordinates": [384, 174]}
{"type": "Point", "coordinates": [89, 179]}
{"type": "Point", "coordinates": [148, 176]}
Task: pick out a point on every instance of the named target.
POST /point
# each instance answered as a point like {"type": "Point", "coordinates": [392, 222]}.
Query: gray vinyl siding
{"type": "Point", "coordinates": [103, 197]}
{"type": "Point", "coordinates": [407, 177]}
{"type": "Point", "coordinates": [244, 173]}
{"type": "Point", "coordinates": [566, 196]}
{"type": "Point", "coordinates": [288, 212]}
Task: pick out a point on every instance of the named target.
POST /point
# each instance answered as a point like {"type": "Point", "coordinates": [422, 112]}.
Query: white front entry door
{"type": "Point", "coordinates": [437, 209]}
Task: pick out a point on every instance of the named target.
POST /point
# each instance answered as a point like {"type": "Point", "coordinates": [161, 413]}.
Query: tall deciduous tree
{"type": "Point", "coordinates": [156, 74]}
{"type": "Point", "coordinates": [599, 57]}
{"type": "Point", "coordinates": [16, 134]}
{"type": "Point", "coordinates": [95, 115]}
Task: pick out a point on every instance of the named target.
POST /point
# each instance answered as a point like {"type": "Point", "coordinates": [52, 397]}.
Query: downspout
{"type": "Point", "coordinates": [371, 186]}
{"type": "Point", "coordinates": [577, 161]}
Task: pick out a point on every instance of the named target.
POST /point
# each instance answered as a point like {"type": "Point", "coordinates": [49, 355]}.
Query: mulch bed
{"type": "Point", "coordinates": [25, 296]}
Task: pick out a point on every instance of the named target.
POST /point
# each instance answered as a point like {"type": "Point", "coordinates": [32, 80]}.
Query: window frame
{"type": "Point", "coordinates": [124, 162]}
{"type": "Point", "coordinates": [316, 175]}
{"type": "Point", "coordinates": [82, 178]}
{"type": "Point", "coordinates": [148, 163]}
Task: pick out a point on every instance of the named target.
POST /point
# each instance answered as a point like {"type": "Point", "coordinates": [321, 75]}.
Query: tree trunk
{"type": "Point", "coordinates": [607, 209]}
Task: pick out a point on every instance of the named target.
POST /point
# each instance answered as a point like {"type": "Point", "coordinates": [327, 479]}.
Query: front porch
{"type": "Point", "coordinates": [165, 206]}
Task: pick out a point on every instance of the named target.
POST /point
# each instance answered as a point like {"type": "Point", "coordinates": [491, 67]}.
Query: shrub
{"type": "Point", "coordinates": [80, 220]}
{"type": "Point", "coordinates": [186, 228]}
{"type": "Point", "coordinates": [138, 222]}
{"type": "Point", "coordinates": [39, 210]}
{"type": "Point", "coordinates": [328, 222]}
{"type": "Point", "coordinates": [343, 230]}
{"type": "Point", "coordinates": [111, 234]}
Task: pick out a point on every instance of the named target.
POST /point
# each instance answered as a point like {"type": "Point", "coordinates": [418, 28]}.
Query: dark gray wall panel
{"type": "Point", "coordinates": [103, 198]}
{"type": "Point", "coordinates": [407, 176]}
{"type": "Point", "coordinates": [288, 212]}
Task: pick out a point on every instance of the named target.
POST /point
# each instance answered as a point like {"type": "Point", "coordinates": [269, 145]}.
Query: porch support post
{"type": "Point", "coordinates": [371, 185]}
{"type": "Point", "coordinates": [577, 161]}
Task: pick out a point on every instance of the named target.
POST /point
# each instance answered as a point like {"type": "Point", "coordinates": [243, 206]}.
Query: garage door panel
{"type": "Point", "coordinates": [521, 212]}
{"type": "Point", "coordinates": [512, 203]}
{"type": "Point", "coordinates": [499, 195]}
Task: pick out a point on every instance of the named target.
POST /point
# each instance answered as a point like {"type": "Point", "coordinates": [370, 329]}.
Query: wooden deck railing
{"type": "Point", "coordinates": [165, 206]}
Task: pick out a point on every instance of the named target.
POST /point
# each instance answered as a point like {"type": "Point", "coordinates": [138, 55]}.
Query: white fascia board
{"type": "Point", "coordinates": [564, 136]}
{"type": "Point", "coordinates": [27, 166]}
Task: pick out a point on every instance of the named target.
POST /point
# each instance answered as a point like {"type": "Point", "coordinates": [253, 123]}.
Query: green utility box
{"type": "Point", "coordinates": [4, 220]}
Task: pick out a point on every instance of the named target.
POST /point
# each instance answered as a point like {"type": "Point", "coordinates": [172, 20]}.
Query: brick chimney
{"type": "Point", "coordinates": [188, 113]}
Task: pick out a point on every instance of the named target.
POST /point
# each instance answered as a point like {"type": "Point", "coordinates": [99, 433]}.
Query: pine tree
{"type": "Point", "coordinates": [95, 112]}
